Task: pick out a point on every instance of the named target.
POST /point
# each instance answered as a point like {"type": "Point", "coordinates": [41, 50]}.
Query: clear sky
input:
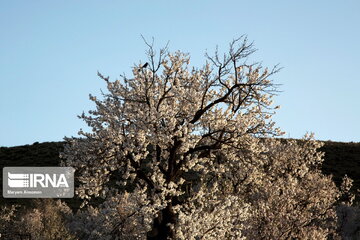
{"type": "Point", "coordinates": [50, 52]}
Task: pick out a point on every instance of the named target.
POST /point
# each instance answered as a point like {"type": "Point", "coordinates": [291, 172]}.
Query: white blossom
{"type": "Point", "coordinates": [196, 143]}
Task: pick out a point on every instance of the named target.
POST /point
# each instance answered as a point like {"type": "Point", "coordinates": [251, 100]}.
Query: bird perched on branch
{"type": "Point", "coordinates": [143, 66]}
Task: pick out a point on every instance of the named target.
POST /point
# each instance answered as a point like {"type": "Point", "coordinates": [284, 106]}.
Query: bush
{"type": "Point", "coordinates": [46, 220]}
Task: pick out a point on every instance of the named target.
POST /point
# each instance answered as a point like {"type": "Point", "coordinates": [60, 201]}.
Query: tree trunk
{"type": "Point", "coordinates": [161, 230]}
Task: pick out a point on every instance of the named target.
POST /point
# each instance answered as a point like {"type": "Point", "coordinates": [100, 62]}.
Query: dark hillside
{"type": "Point", "coordinates": [340, 159]}
{"type": "Point", "coordinates": [37, 154]}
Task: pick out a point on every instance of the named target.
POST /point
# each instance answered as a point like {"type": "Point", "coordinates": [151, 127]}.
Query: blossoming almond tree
{"type": "Point", "coordinates": [192, 143]}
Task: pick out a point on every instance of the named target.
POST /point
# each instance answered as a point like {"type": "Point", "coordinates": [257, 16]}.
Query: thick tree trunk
{"type": "Point", "coordinates": [161, 230]}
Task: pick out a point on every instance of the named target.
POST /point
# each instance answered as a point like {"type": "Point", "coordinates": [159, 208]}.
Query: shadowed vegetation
{"type": "Point", "coordinates": [340, 159]}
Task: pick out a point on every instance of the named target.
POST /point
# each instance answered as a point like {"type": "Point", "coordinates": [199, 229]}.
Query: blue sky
{"type": "Point", "coordinates": [50, 52]}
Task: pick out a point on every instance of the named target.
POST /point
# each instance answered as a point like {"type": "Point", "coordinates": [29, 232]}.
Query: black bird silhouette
{"type": "Point", "coordinates": [143, 66]}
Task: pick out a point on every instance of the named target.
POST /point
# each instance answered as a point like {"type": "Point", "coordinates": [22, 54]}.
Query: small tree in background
{"type": "Point", "coordinates": [47, 219]}
{"type": "Point", "coordinates": [193, 144]}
